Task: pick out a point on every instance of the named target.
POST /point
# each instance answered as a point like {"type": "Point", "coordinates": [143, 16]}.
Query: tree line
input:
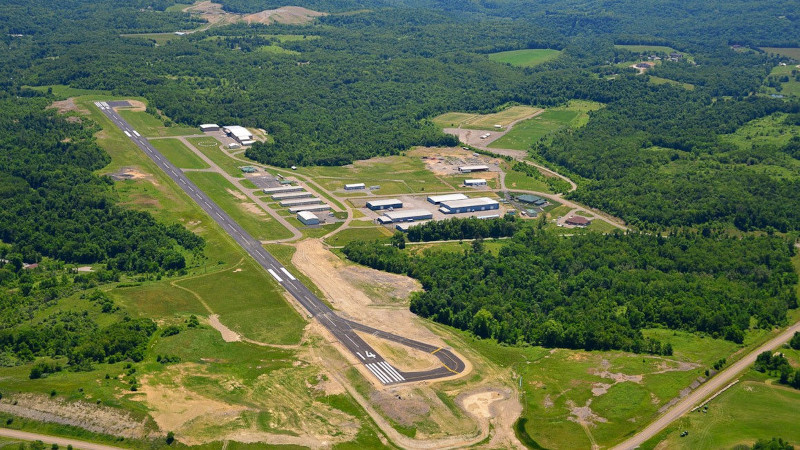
{"type": "Point", "coordinates": [597, 291]}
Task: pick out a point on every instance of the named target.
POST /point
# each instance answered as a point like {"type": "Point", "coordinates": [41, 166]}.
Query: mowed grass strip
{"type": "Point", "coordinates": [246, 213]}
{"type": "Point", "coordinates": [355, 234]}
{"type": "Point", "coordinates": [526, 133]}
{"type": "Point", "coordinates": [394, 175]}
{"type": "Point", "coordinates": [484, 121]}
{"type": "Point", "coordinates": [179, 154]}
{"type": "Point", "coordinates": [210, 147]}
{"type": "Point", "coordinates": [525, 58]}
{"type": "Point", "coordinates": [149, 126]}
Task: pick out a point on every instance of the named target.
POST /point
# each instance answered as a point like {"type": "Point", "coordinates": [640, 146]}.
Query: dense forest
{"type": "Point", "coordinates": [598, 291]}
{"type": "Point", "coordinates": [52, 204]}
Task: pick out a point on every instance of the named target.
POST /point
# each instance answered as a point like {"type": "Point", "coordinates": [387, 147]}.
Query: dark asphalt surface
{"type": "Point", "coordinates": [342, 329]}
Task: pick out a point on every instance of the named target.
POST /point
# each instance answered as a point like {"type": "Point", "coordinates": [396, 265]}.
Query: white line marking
{"type": "Point", "coordinates": [272, 272]}
{"type": "Point", "coordinates": [359, 355]}
{"type": "Point", "coordinates": [283, 269]}
{"type": "Point", "coordinates": [126, 133]}
{"type": "Point", "coordinates": [387, 369]}
{"type": "Point", "coordinates": [386, 378]}
{"type": "Point", "coordinates": [391, 370]}
{"type": "Point", "coordinates": [376, 375]}
{"type": "Point", "coordinates": [348, 337]}
{"type": "Point", "coordinates": [136, 133]}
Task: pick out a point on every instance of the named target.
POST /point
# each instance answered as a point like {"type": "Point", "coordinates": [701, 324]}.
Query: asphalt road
{"type": "Point", "coordinates": [719, 381]}
{"type": "Point", "coordinates": [342, 329]}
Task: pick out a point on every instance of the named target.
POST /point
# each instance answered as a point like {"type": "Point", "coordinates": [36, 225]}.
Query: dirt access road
{"type": "Point", "coordinates": [62, 442]}
{"type": "Point", "coordinates": [717, 382]}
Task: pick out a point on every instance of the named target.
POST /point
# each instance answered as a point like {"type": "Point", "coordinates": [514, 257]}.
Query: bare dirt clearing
{"type": "Point", "coordinates": [89, 416]}
{"type": "Point", "coordinates": [68, 105]}
{"type": "Point", "coordinates": [228, 335]}
{"type": "Point", "coordinates": [215, 15]}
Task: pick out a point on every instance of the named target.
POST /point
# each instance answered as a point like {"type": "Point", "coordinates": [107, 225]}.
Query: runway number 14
{"type": "Point", "coordinates": [369, 354]}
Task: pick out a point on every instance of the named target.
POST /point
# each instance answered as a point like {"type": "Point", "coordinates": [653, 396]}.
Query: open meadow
{"type": "Point", "coordinates": [525, 58]}
{"type": "Point", "coordinates": [524, 134]}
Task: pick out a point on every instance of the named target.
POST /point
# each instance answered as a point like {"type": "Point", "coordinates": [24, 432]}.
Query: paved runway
{"type": "Point", "coordinates": [342, 329]}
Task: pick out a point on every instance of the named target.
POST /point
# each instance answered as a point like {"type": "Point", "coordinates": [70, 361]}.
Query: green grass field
{"type": "Point", "coordinates": [525, 58]}
{"type": "Point", "coordinates": [749, 411]}
{"type": "Point", "coordinates": [659, 80]}
{"type": "Point", "coordinates": [791, 87]}
{"type": "Point", "coordinates": [210, 147]}
{"type": "Point", "coordinates": [484, 121]}
{"type": "Point", "coordinates": [524, 134]}
{"type": "Point", "coordinates": [647, 48]}
{"type": "Point", "coordinates": [352, 234]}
{"type": "Point", "coordinates": [260, 225]}
{"type": "Point", "coordinates": [553, 381]}
{"type": "Point", "coordinates": [159, 38]}
{"type": "Point", "coordinates": [150, 126]}
{"type": "Point", "coordinates": [789, 52]}
{"type": "Point", "coordinates": [179, 154]}
{"type": "Point", "coordinates": [518, 180]}
{"type": "Point", "coordinates": [276, 49]}
{"type": "Point", "coordinates": [394, 175]}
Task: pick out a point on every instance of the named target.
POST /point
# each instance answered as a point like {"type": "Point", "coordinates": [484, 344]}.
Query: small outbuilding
{"type": "Point", "coordinates": [578, 221]}
{"type": "Point", "coordinates": [307, 218]}
{"type": "Point", "coordinates": [354, 186]}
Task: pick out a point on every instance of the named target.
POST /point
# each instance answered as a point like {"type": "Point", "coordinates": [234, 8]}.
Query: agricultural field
{"type": "Point", "coordinates": [524, 134]}
{"type": "Point", "coordinates": [249, 215]}
{"type": "Point", "coordinates": [150, 126]}
{"type": "Point", "coordinates": [789, 52]}
{"type": "Point", "coordinates": [503, 118]}
{"type": "Point", "coordinates": [179, 154]}
{"type": "Point", "coordinates": [394, 175]}
{"type": "Point", "coordinates": [525, 58]}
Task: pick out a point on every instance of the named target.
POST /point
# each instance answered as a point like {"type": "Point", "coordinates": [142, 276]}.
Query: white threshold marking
{"type": "Point", "coordinates": [126, 133]}
{"type": "Point", "coordinates": [379, 373]}
{"type": "Point", "coordinates": [283, 269]}
{"type": "Point", "coordinates": [272, 272]}
{"type": "Point", "coordinates": [136, 133]}
{"type": "Point", "coordinates": [391, 370]}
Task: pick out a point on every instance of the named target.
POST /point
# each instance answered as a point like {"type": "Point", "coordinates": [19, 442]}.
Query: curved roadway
{"type": "Point", "coordinates": [342, 329]}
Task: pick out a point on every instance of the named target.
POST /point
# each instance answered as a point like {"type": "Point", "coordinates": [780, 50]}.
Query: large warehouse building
{"type": "Point", "coordinates": [241, 134]}
{"type": "Point", "coordinates": [436, 199]}
{"type": "Point", "coordinates": [470, 169]}
{"type": "Point", "coordinates": [388, 203]}
{"type": "Point", "coordinates": [469, 205]}
{"type": "Point", "coordinates": [405, 216]}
